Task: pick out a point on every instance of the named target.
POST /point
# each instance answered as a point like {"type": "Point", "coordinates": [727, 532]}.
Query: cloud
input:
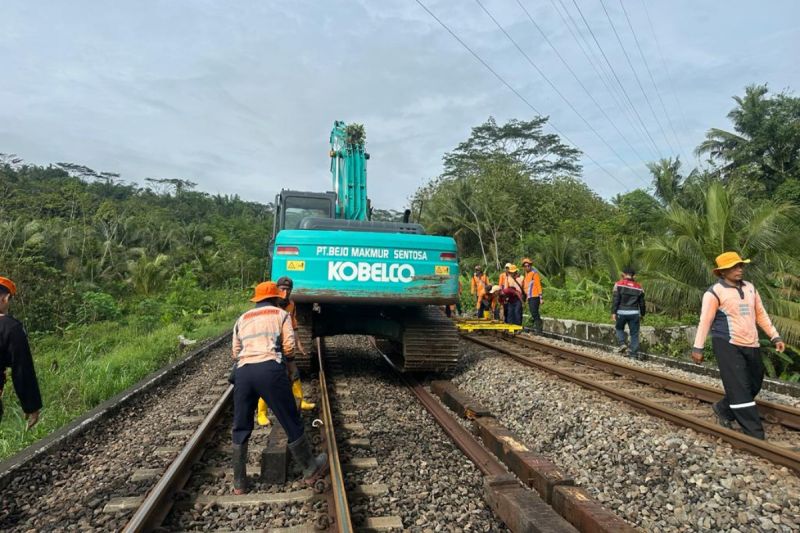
{"type": "Point", "coordinates": [241, 97]}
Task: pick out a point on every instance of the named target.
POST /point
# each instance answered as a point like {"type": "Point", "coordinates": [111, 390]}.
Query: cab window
{"type": "Point", "coordinates": [298, 208]}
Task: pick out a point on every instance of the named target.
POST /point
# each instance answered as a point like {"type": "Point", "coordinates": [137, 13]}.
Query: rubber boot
{"type": "Point", "coordinates": [240, 468]}
{"type": "Point", "coordinates": [314, 468]}
{"type": "Point", "coordinates": [262, 413]}
{"type": "Point", "coordinates": [297, 391]}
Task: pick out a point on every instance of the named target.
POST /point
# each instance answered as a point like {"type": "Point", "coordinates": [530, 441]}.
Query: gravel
{"type": "Point", "coordinates": [69, 488]}
{"type": "Point", "coordinates": [432, 485]}
{"type": "Point", "coordinates": [654, 474]}
{"type": "Point", "coordinates": [658, 367]}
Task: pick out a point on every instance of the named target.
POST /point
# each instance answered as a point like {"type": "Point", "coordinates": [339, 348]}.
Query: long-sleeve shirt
{"type": "Point", "coordinates": [15, 353]}
{"type": "Point", "coordinates": [731, 312]}
{"type": "Point", "coordinates": [478, 284]}
{"type": "Point", "coordinates": [533, 284]}
{"type": "Point", "coordinates": [261, 334]}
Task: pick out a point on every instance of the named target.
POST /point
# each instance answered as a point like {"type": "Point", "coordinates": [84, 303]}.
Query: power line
{"type": "Point", "coordinates": [552, 86]}
{"type": "Point", "coordinates": [669, 75]}
{"type": "Point", "coordinates": [512, 89]}
{"type": "Point", "coordinates": [577, 79]}
{"type": "Point", "coordinates": [652, 78]}
{"type": "Point", "coordinates": [636, 76]}
{"type": "Point", "coordinates": [614, 72]}
{"type": "Point", "coordinates": [608, 83]}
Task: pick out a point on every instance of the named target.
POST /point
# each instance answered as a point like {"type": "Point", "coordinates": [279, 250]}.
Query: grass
{"type": "Point", "coordinates": [86, 365]}
{"type": "Point", "coordinates": [602, 315]}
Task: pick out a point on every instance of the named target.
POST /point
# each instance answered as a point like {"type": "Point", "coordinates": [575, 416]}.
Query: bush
{"type": "Point", "coordinates": [97, 306]}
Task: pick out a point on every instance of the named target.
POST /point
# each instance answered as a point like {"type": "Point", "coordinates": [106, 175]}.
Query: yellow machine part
{"type": "Point", "coordinates": [477, 324]}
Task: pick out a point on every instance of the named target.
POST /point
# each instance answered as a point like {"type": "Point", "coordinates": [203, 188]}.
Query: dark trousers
{"type": "Point", "coordinates": [514, 312]}
{"type": "Point", "coordinates": [266, 380]}
{"type": "Point", "coordinates": [484, 306]}
{"type": "Point", "coordinates": [633, 326]}
{"type": "Point", "coordinates": [742, 373]}
{"type": "Point", "coordinates": [533, 306]}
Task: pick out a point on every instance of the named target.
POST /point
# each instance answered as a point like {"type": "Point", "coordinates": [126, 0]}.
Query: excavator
{"type": "Point", "coordinates": [357, 276]}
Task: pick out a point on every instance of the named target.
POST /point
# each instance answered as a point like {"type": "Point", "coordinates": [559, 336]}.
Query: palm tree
{"type": "Point", "coordinates": [678, 264]}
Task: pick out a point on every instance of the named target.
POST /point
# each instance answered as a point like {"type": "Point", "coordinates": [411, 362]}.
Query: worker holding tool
{"type": "Point", "coordinates": [285, 285]}
{"type": "Point", "coordinates": [263, 348]}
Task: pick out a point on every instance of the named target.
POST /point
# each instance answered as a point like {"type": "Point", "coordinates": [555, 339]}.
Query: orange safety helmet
{"type": "Point", "coordinates": [266, 289]}
{"type": "Point", "coordinates": [8, 284]}
{"type": "Point", "coordinates": [527, 260]}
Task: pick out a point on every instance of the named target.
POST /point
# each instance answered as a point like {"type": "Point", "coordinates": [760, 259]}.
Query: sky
{"type": "Point", "coordinates": [240, 97]}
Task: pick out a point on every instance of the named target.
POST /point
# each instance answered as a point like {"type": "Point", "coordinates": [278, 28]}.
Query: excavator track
{"type": "Point", "coordinates": [430, 342]}
{"type": "Point", "coordinates": [305, 338]}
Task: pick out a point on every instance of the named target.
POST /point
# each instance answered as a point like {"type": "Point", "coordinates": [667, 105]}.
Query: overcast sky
{"type": "Point", "coordinates": [241, 96]}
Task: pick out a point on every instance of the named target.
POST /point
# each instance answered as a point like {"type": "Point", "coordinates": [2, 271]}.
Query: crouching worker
{"type": "Point", "coordinates": [285, 286]}
{"type": "Point", "coordinates": [263, 347]}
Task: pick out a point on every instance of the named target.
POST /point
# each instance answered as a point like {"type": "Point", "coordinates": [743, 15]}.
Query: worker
{"type": "Point", "coordinates": [488, 303]}
{"type": "Point", "coordinates": [494, 293]}
{"type": "Point", "coordinates": [285, 285]}
{"type": "Point", "coordinates": [533, 292]}
{"type": "Point", "coordinates": [263, 348]}
{"type": "Point", "coordinates": [15, 353]}
{"type": "Point", "coordinates": [503, 282]}
{"type": "Point", "coordinates": [513, 295]}
{"type": "Point", "coordinates": [627, 307]}
{"type": "Point", "coordinates": [732, 309]}
{"type": "Point", "coordinates": [479, 286]}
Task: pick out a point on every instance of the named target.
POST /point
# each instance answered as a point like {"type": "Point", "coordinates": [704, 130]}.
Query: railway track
{"type": "Point", "coordinates": [680, 401]}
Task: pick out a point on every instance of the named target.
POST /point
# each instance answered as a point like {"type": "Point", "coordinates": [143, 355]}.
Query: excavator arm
{"type": "Point", "coordinates": [349, 170]}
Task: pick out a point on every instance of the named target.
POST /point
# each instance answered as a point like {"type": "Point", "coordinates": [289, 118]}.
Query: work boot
{"type": "Point", "coordinates": [262, 413]}
{"type": "Point", "coordinates": [314, 468]}
{"type": "Point", "coordinates": [240, 468]}
{"type": "Point", "coordinates": [297, 391]}
{"type": "Point", "coordinates": [721, 420]}
{"type": "Point", "coordinates": [622, 348]}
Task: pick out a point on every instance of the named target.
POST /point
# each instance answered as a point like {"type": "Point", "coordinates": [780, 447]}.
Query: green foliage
{"type": "Point", "coordinates": [67, 230]}
{"type": "Point", "coordinates": [97, 306]}
{"type": "Point", "coordinates": [766, 142]}
{"type": "Point", "coordinates": [87, 364]}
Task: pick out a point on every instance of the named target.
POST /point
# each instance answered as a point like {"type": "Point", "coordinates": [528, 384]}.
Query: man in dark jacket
{"type": "Point", "coordinates": [627, 307]}
{"type": "Point", "coordinates": [15, 353]}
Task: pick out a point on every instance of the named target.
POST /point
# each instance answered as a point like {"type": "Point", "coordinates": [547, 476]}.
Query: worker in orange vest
{"type": "Point", "coordinates": [285, 285]}
{"type": "Point", "coordinates": [263, 349]}
{"type": "Point", "coordinates": [478, 286]}
{"type": "Point", "coordinates": [533, 292]}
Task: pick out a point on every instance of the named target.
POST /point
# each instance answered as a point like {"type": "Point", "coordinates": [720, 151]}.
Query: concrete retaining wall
{"type": "Point", "coordinates": [649, 336]}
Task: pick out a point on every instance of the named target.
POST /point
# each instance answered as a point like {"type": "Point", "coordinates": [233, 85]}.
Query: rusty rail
{"type": "Point", "coordinates": [160, 499]}
{"type": "Point", "coordinates": [761, 448]}
{"type": "Point", "coordinates": [772, 412]}
{"type": "Point", "coordinates": [338, 493]}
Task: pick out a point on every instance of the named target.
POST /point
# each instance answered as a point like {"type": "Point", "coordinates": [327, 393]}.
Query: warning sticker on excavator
{"type": "Point", "coordinates": [442, 270]}
{"type": "Point", "coordinates": [297, 266]}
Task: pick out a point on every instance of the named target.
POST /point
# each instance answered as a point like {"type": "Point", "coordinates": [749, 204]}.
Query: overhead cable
{"type": "Point", "coordinates": [636, 77]}
{"type": "Point", "coordinates": [616, 77]}
{"type": "Point", "coordinates": [578, 80]}
{"type": "Point", "coordinates": [555, 89]}
{"type": "Point", "coordinates": [516, 92]}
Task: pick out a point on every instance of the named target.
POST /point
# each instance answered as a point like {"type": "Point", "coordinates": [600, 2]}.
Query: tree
{"type": "Point", "coordinates": [765, 143]}
{"type": "Point", "coordinates": [541, 155]}
{"type": "Point", "coordinates": [679, 263]}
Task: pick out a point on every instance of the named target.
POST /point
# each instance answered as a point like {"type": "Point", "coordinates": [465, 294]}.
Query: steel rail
{"type": "Point", "coordinates": [485, 461]}
{"type": "Point", "coordinates": [772, 412]}
{"type": "Point", "coordinates": [159, 500]}
{"type": "Point", "coordinates": [771, 452]}
{"type": "Point", "coordinates": [338, 492]}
